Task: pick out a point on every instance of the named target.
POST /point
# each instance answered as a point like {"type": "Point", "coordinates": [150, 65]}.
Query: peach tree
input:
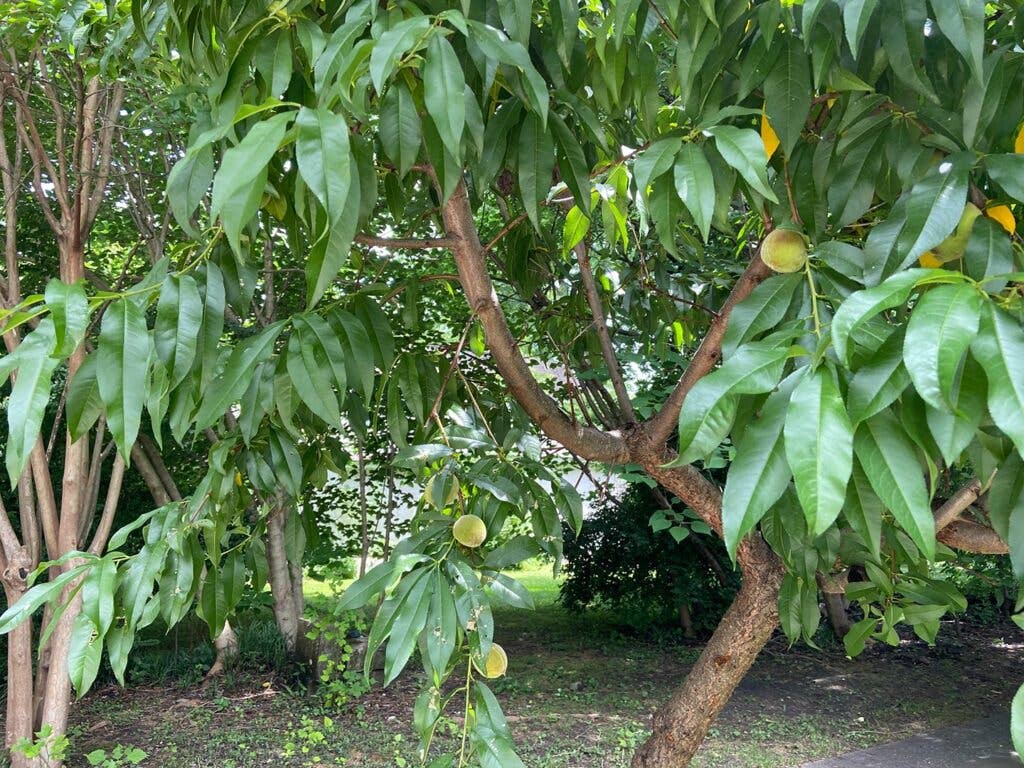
{"type": "Point", "coordinates": [589, 175]}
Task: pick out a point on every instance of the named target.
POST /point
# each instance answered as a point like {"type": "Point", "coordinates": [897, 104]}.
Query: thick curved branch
{"type": "Point", "coordinates": [469, 256]}
{"type": "Point", "coordinates": [660, 426]}
{"type": "Point", "coordinates": [972, 537]}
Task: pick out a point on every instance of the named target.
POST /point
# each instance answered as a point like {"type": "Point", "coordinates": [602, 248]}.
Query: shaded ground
{"type": "Point", "coordinates": [981, 743]}
{"type": "Point", "coordinates": [578, 695]}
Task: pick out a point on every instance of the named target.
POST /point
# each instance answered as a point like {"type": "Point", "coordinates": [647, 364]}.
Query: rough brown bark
{"type": "Point", "coordinates": [468, 252]}
{"type": "Point", "coordinates": [833, 593]}
{"type": "Point", "coordinates": [681, 725]}
{"type": "Point", "coordinates": [19, 657]}
{"type": "Point", "coordinates": [286, 608]}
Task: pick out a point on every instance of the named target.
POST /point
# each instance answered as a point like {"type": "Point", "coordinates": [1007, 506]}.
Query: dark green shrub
{"type": "Point", "coordinates": [621, 563]}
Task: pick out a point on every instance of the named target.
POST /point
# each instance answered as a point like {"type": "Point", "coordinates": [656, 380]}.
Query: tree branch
{"type": "Point", "coordinates": [94, 198]}
{"type": "Point", "coordinates": [603, 336]}
{"type": "Point", "coordinates": [411, 243]}
{"type": "Point", "coordinates": [469, 256]}
{"type": "Point", "coordinates": [972, 537]}
{"type": "Point", "coordinates": [99, 539]}
{"type": "Point", "coordinates": [957, 504]}
{"type": "Point", "coordinates": [660, 426]}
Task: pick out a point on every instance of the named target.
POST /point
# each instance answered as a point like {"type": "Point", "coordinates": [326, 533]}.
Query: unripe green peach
{"type": "Point", "coordinates": [784, 250]}
{"type": "Point", "coordinates": [469, 531]}
{"type": "Point", "coordinates": [496, 665]}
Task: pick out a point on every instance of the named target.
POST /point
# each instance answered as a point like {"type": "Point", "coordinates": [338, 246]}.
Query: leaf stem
{"type": "Point", "coordinates": [465, 715]}
{"type": "Point", "coordinates": [814, 298]}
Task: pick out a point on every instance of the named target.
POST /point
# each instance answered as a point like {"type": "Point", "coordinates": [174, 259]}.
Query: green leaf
{"type": "Point", "coordinates": [498, 47]}
{"type": "Point", "coordinates": [238, 185]}
{"type": "Point", "coordinates": [441, 627]}
{"type": "Point", "coordinates": [856, 16]}
{"type": "Point", "coordinates": [892, 467]}
{"type": "Point", "coordinates": [954, 427]}
{"type": "Point", "coordinates": [575, 229]}
{"type": "Point", "coordinates": [392, 46]}
{"type": "Point", "coordinates": [762, 310]}
{"type": "Point", "coordinates": [187, 183]}
{"type": "Point", "coordinates": [570, 505]}
{"type": "Point", "coordinates": [1017, 721]}
{"type": "Point", "coordinates": [234, 379]}
{"type": "Point", "coordinates": [789, 607]}
{"type": "Point", "coordinates": [742, 149]}
{"type": "Point", "coordinates": [858, 635]}
{"type": "Point", "coordinates": [324, 158]}
{"type": "Point", "coordinates": [98, 594]}
{"type": "Point", "coordinates": [84, 654]}
{"type": "Point", "coordinates": [572, 163]}
{"type": "Point", "coordinates": [366, 587]}
{"type": "Point", "coordinates": [409, 618]}
{"type": "Point", "coordinates": [933, 210]}
{"type": "Point", "coordinates": [566, 17]}
{"type": "Point", "coordinates": [787, 93]}
{"type": "Point", "coordinates": [863, 305]}
{"type": "Point", "coordinates": [444, 92]}
{"type": "Point", "coordinates": [963, 23]}
{"type": "Point", "coordinates": [863, 510]}
{"type": "Point", "coordinates": [179, 316]}
{"type": "Point", "coordinates": [999, 347]}
{"type": "Point", "coordinates": [536, 163]}
{"type": "Point", "coordinates": [706, 414]}
{"type": "Point", "coordinates": [359, 359]}
{"type": "Point", "coordinates": [401, 132]}
{"type": "Point", "coordinates": [39, 594]}
{"type": "Point", "coordinates": [759, 473]}
{"type": "Point", "coordinates": [378, 329]}
{"type": "Point", "coordinates": [901, 35]}
{"type": "Point", "coordinates": [511, 592]}
{"type": "Point", "coordinates": [942, 325]}
{"type": "Point", "coordinates": [819, 448]}
{"type": "Point", "coordinates": [29, 396]}
{"type": "Point", "coordinates": [1006, 495]}
{"type": "Point", "coordinates": [1008, 172]}
{"type": "Point", "coordinates": [654, 161]}
{"type": "Point", "coordinates": [331, 251]}
{"type": "Point", "coordinates": [84, 405]}
{"type": "Point", "coordinates": [989, 254]}
{"type": "Point", "coordinates": [69, 310]}
{"type": "Point", "coordinates": [122, 369]}
{"type": "Point", "coordinates": [695, 186]}
{"type": "Point", "coordinates": [316, 363]}
{"type": "Point", "coordinates": [512, 552]}
{"type": "Point", "coordinates": [878, 382]}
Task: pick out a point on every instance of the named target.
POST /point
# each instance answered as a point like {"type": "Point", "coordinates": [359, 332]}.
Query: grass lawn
{"type": "Point", "coordinates": [579, 694]}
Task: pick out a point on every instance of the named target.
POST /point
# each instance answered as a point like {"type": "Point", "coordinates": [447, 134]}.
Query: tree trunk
{"type": "Point", "coordinates": [364, 535]}
{"type": "Point", "coordinates": [686, 621]}
{"type": "Point", "coordinates": [833, 591]}
{"type": "Point", "coordinates": [681, 725]}
{"type": "Point", "coordinates": [287, 604]}
{"type": "Point", "coordinates": [227, 648]}
{"type": "Point", "coordinates": [19, 662]}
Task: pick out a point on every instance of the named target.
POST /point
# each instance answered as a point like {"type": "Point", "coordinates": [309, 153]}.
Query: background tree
{"type": "Point", "coordinates": [568, 163]}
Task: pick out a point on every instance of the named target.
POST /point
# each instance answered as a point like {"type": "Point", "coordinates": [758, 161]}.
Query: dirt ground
{"type": "Point", "coordinates": [577, 695]}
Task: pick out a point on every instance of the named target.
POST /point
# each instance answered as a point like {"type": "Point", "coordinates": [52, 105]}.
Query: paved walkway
{"type": "Point", "coordinates": [979, 744]}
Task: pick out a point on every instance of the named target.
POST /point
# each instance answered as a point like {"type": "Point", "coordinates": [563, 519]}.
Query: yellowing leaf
{"type": "Point", "coordinates": [1003, 215]}
{"type": "Point", "coordinates": [1018, 143]}
{"type": "Point", "coordinates": [929, 260]}
{"type": "Point", "coordinates": [768, 136]}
